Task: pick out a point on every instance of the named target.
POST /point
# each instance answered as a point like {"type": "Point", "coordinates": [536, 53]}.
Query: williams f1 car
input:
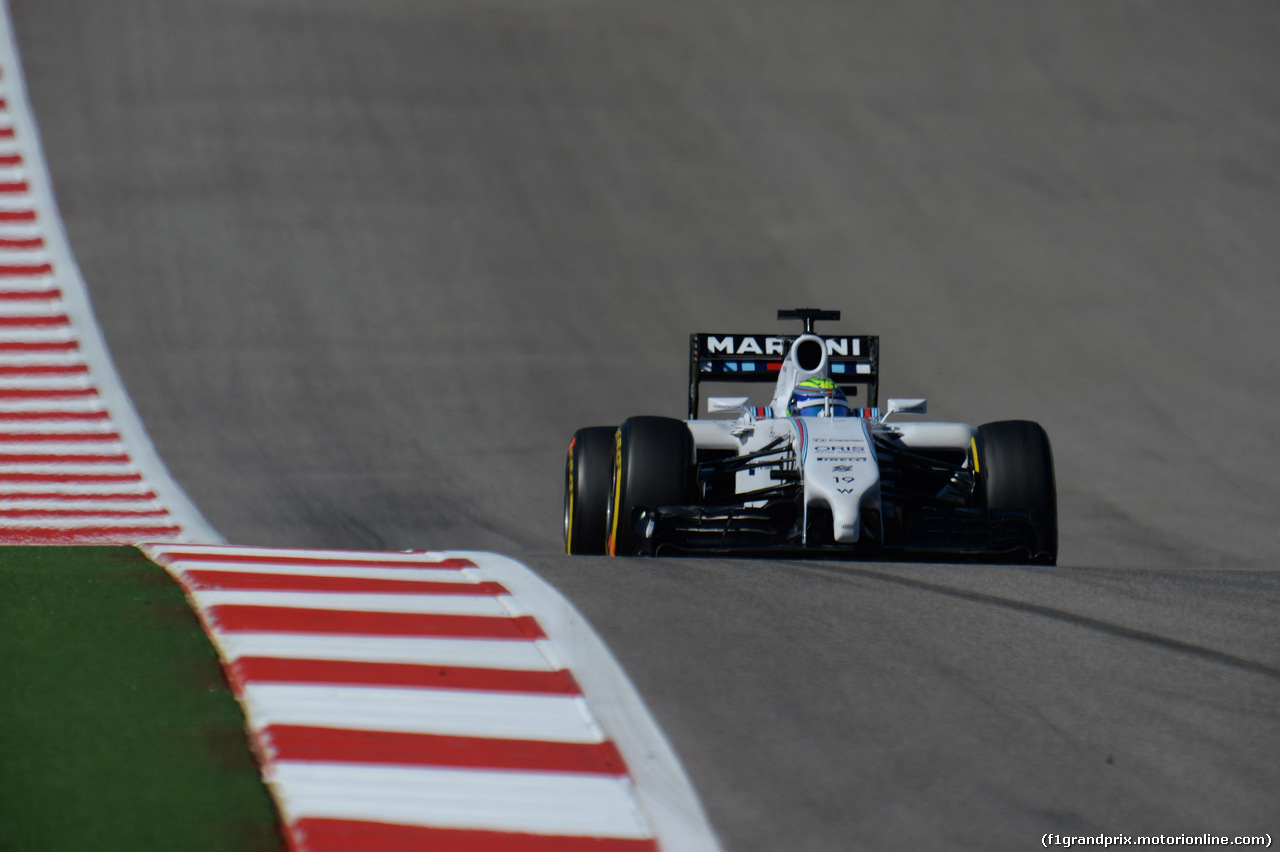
{"type": "Point", "coordinates": [810, 473]}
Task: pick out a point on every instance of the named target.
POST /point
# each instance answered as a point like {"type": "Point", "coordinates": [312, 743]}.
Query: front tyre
{"type": "Point", "coordinates": [1015, 469]}
{"type": "Point", "coordinates": [653, 465]}
{"type": "Point", "coordinates": [588, 473]}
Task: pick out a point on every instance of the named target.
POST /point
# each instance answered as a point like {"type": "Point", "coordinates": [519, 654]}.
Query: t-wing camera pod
{"type": "Point", "coordinates": [809, 316]}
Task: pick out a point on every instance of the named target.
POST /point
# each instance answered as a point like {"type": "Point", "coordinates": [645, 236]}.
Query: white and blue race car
{"type": "Point", "coordinates": [809, 473]}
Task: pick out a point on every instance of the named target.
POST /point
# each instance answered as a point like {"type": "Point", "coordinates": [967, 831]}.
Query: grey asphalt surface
{"type": "Point", "coordinates": [365, 266]}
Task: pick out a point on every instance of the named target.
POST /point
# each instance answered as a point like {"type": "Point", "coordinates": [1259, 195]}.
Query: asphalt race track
{"type": "Point", "coordinates": [365, 265]}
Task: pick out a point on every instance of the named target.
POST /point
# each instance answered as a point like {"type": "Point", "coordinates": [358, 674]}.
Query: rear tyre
{"type": "Point", "coordinates": [653, 465]}
{"type": "Point", "coordinates": [588, 473]}
{"type": "Point", "coordinates": [1015, 469]}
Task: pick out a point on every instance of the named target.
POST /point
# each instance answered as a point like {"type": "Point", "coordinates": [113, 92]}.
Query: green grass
{"type": "Point", "coordinates": [117, 729]}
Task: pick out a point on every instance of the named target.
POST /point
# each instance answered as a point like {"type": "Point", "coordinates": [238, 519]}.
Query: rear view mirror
{"type": "Point", "coordinates": [906, 406]}
{"type": "Point", "coordinates": [727, 403]}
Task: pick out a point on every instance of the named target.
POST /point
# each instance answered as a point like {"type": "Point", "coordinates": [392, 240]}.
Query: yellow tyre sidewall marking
{"type": "Point", "coordinates": [616, 488]}
{"type": "Point", "coordinates": [572, 488]}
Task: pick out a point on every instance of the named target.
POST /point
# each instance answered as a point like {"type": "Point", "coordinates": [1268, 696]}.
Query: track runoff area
{"type": "Point", "coordinates": [451, 701]}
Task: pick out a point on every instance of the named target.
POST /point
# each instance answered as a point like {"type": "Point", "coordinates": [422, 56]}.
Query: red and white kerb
{"type": "Point", "coordinates": [406, 701]}
{"type": "Point", "coordinates": [65, 475]}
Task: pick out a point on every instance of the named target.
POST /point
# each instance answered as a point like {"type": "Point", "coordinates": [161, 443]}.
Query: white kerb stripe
{"type": "Point", "coordinates": [514, 654]}
{"type": "Point", "coordinates": [140, 492]}
{"type": "Point", "coordinates": [422, 604]}
{"type": "Point", "coordinates": [52, 407]}
{"type": "Point", "coordinates": [43, 426]}
{"type": "Point", "coordinates": [106, 508]}
{"type": "Point", "coordinates": [438, 575]}
{"type": "Point", "coordinates": [174, 553]}
{"type": "Point", "coordinates": [112, 524]}
{"type": "Point", "coordinates": [23, 255]}
{"type": "Point", "coordinates": [67, 468]}
{"type": "Point", "coordinates": [465, 713]}
{"type": "Point", "coordinates": [103, 446]}
{"type": "Point", "coordinates": [55, 334]}
{"type": "Point", "coordinates": [44, 308]}
{"type": "Point", "coordinates": [527, 802]}
{"type": "Point", "coordinates": [19, 230]}
{"type": "Point", "coordinates": [64, 384]}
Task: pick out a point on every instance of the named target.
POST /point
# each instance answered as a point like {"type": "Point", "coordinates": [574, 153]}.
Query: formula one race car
{"type": "Point", "coordinates": [808, 474]}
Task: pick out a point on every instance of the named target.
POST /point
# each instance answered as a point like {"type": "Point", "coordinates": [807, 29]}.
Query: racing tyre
{"type": "Point", "coordinates": [653, 465]}
{"type": "Point", "coordinates": [588, 474]}
{"type": "Point", "coordinates": [1015, 469]}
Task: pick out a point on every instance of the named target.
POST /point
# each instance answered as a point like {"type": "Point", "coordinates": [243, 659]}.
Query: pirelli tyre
{"type": "Point", "coordinates": [653, 465]}
{"type": "Point", "coordinates": [1015, 472]}
{"type": "Point", "coordinates": [588, 475]}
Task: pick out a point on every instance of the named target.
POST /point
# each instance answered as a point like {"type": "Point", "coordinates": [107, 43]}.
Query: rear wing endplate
{"type": "Point", "coordinates": [854, 361]}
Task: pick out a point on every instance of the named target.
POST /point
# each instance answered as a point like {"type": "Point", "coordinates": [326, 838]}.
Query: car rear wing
{"type": "Point", "coordinates": [854, 362]}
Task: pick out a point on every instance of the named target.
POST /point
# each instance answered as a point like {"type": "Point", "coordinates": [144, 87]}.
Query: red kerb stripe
{"type": "Point", "coordinates": [16, 270]}
{"type": "Point", "coordinates": [244, 618]}
{"type": "Point", "coordinates": [297, 742]}
{"type": "Point", "coordinates": [203, 579]}
{"type": "Point", "coordinates": [39, 346]}
{"type": "Point", "coordinates": [44, 370]}
{"type": "Point", "coordinates": [47, 393]}
{"type": "Point", "coordinates": [58, 437]}
{"type": "Point", "coordinates": [55, 458]}
{"type": "Point", "coordinates": [84, 535]}
{"type": "Point", "coordinates": [83, 513]}
{"type": "Point", "coordinates": [19, 243]}
{"type": "Point", "coordinates": [248, 670]}
{"type": "Point", "coordinates": [78, 478]}
{"type": "Point", "coordinates": [40, 321]}
{"type": "Point", "coordinates": [315, 834]}
{"type": "Point", "coordinates": [17, 215]}
{"type": "Point", "coordinates": [78, 496]}
{"type": "Point", "coordinates": [29, 295]}
{"type": "Point", "coordinates": [52, 416]}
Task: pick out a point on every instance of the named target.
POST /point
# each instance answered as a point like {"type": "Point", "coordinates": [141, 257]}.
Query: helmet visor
{"type": "Point", "coordinates": [821, 408]}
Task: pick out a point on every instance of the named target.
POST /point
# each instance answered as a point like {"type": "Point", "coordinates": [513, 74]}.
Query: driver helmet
{"type": "Point", "coordinates": [817, 397]}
